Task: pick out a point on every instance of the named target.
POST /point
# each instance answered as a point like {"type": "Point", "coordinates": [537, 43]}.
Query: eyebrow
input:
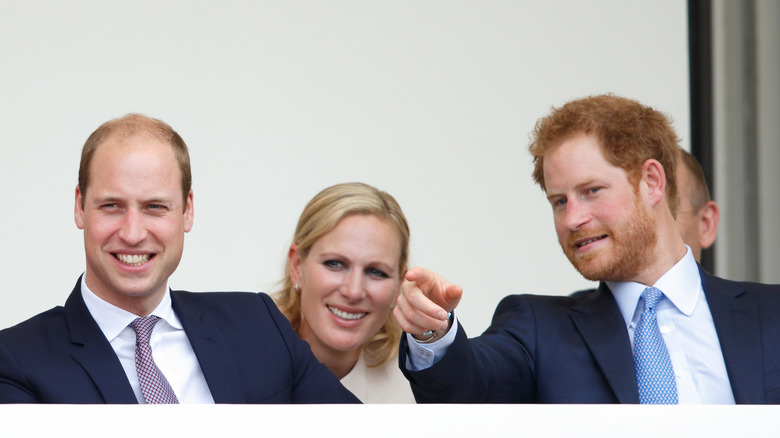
{"type": "Point", "coordinates": [553, 196]}
{"type": "Point", "coordinates": [119, 199]}
{"type": "Point", "coordinates": [577, 187]}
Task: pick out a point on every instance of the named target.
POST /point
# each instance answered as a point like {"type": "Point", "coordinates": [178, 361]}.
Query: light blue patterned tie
{"type": "Point", "coordinates": [653, 367]}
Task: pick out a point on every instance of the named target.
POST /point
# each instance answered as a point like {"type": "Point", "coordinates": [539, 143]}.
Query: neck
{"type": "Point", "coordinates": [140, 305]}
{"type": "Point", "coordinates": [669, 250]}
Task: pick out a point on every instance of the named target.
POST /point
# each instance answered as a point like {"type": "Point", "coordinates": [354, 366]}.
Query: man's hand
{"type": "Point", "coordinates": [424, 302]}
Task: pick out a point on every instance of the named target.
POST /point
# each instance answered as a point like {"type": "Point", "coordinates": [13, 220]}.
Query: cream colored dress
{"type": "Point", "coordinates": [382, 384]}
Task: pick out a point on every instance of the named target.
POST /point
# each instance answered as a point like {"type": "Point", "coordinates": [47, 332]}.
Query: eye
{"type": "Point", "coordinates": [333, 264]}
{"type": "Point", "coordinates": [157, 209]}
{"type": "Point", "coordinates": [594, 189]}
{"type": "Point", "coordinates": [377, 273]}
{"type": "Point", "coordinates": [559, 202]}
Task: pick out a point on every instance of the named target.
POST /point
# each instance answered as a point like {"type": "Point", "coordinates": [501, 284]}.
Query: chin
{"type": "Point", "coordinates": [620, 270]}
{"type": "Point", "coordinates": [346, 346]}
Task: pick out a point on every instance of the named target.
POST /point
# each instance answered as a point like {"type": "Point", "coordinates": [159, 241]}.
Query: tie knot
{"type": "Point", "coordinates": [651, 296]}
{"type": "Point", "coordinates": [143, 328]}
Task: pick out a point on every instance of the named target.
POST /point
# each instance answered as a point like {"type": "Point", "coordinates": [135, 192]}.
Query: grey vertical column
{"type": "Point", "coordinates": [768, 136]}
{"type": "Point", "coordinates": [736, 139]}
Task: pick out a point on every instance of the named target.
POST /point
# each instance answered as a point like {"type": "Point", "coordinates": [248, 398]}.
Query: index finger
{"type": "Point", "coordinates": [417, 299]}
{"type": "Point", "coordinates": [436, 288]}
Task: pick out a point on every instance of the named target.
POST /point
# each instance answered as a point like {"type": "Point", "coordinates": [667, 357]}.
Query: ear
{"type": "Point", "coordinates": [78, 211]}
{"type": "Point", "coordinates": [189, 213]}
{"type": "Point", "coordinates": [708, 224]}
{"type": "Point", "coordinates": [294, 260]}
{"type": "Point", "coordinates": [654, 178]}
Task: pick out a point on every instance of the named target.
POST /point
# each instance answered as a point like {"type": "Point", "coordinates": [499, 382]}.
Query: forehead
{"type": "Point", "coordinates": [363, 234]}
{"type": "Point", "coordinates": [575, 161]}
{"type": "Point", "coordinates": [140, 156]}
{"type": "Point", "coordinates": [367, 227]}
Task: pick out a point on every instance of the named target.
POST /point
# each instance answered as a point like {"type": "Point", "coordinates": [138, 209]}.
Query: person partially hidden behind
{"type": "Point", "coordinates": [698, 215]}
{"type": "Point", "coordinates": [343, 274]}
{"type": "Point", "coordinates": [123, 336]}
{"type": "Point", "coordinates": [659, 329]}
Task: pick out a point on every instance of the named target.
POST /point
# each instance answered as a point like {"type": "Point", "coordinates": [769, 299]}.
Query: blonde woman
{"type": "Point", "coordinates": [343, 274]}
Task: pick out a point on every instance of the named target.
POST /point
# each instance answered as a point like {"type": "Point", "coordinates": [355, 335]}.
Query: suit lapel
{"type": "Point", "coordinates": [215, 359]}
{"type": "Point", "coordinates": [600, 323]}
{"type": "Point", "coordinates": [94, 353]}
{"type": "Point", "coordinates": [739, 332]}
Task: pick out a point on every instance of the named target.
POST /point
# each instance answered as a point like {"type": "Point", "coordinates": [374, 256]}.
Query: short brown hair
{"type": "Point", "coordinates": [698, 193]}
{"type": "Point", "coordinates": [322, 214]}
{"type": "Point", "coordinates": [629, 134]}
{"type": "Point", "coordinates": [126, 127]}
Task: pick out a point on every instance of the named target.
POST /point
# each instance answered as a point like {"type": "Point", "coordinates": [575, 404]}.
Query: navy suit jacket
{"type": "Point", "coordinates": [246, 348]}
{"type": "Point", "coordinates": [542, 349]}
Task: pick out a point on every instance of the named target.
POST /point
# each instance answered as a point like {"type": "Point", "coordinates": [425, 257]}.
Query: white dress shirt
{"type": "Point", "coordinates": [686, 325]}
{"type": "Point", "coordinates": [685, 322]}
{"type": "Point", "coordinates": [171, 348]}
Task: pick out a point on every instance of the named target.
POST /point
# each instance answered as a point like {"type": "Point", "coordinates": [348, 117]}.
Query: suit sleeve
{"type": "Point", "coordinates": [313, 382]}
{"type": "Point", "coordinates": [13, 387]}
{"type": "Point", "coordinates": [495, 367]}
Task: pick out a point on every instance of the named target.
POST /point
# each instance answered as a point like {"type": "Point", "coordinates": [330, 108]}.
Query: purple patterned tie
{"type": "Point", "coordinates": [154, 385]}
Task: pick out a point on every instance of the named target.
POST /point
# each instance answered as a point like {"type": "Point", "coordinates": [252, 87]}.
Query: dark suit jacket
{"type": "Point", "coordinates": [246, 348]}
{"type": "Point", "coordinates": [542, 349]}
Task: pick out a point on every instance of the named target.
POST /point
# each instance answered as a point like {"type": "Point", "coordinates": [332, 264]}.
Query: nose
{"type": "Point", "coordinates": [133, 229]}
{"type": "Point", "coordinates": [576, 215]}
{"type": "Point", "coordinates": [353, 288]}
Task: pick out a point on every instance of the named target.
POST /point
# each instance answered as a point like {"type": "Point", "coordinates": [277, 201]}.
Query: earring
{"type": "Point", "coordinates": [297, 288]}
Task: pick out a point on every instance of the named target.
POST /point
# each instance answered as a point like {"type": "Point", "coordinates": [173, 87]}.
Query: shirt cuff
{"type": "Point", "coordinates": [422, 356]}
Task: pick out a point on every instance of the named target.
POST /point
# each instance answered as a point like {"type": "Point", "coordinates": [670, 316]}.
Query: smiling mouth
{"type": "Point", "coordinates": [591, 240]}
{"type": "Point", "coordinates": [133, 259]}
{"type": "Point", "coordinates": [346, 315]}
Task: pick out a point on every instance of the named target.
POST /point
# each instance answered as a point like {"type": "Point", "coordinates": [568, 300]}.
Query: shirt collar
{"type": "Point", "coordinates": [681, 285]}
{"type": "Point", "coordinates": [112, 319]}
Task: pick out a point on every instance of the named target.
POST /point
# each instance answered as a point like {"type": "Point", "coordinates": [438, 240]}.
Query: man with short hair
{"type": "Point", "coordinates": [659, 329]}
{"type": "Point", "coordinates": [698, 216]}
{"type": "Point", "coordinates": [123, 336]}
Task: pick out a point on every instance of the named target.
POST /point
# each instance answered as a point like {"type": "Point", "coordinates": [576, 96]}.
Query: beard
{"type": "Point", "coordinates": [630, 252]}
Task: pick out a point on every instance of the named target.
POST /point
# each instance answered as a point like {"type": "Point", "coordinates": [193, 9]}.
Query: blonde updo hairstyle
{"type": "Point", "coordinates": [320, 216]}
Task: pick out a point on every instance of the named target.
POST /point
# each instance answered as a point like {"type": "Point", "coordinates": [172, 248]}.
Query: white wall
{"type": "Point", "coordinates": [431, 101]}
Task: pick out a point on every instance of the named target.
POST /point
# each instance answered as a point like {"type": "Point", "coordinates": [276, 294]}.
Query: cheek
{"type": "Point", "coordinates": [687, 227]}
{"type": "Point", "coordinates": [99, 230]}
{"type": "Point", "coordinates": [560, 229]}
{"type": "Point", "coordinates": [165, 228]}
{"type": "Point", "coordinates": [309, 305]}
{"type": "Point", "coordinates": [317, 281]}
{"type": "Point", "coordinates": [316, 284]}
{"type": "Point", "coordinates": [384, 295]}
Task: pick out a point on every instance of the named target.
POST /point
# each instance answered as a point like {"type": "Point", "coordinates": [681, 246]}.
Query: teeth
{"type": "Point", "coordinates": [589, 241]}
{"type": "Point", "coordinates": [345, 315]}
{"type": "Point", "coordinates": [133, 260]}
